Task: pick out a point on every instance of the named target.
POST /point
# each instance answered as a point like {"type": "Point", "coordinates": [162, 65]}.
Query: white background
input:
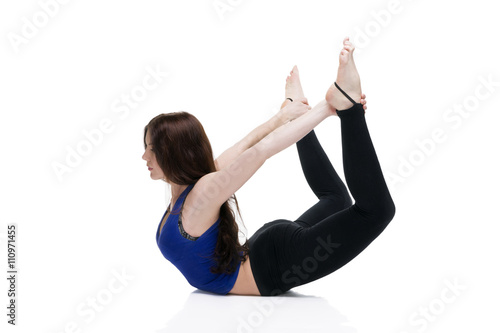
{"type": "Point", "coordinates": [418, 65]}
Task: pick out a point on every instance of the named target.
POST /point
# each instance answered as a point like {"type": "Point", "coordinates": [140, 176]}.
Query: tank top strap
{"type": "Point", "coordinates": [180, 201]}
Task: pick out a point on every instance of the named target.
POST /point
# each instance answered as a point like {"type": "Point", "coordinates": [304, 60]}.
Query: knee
{"type": "Point", "coordinates": [387, 212]}
{"type": "Point", "coordinates": [380, 214]}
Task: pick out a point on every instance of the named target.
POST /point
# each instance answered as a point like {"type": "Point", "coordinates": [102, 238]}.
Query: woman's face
{"type": "Point", "coordinates": [149, 156]}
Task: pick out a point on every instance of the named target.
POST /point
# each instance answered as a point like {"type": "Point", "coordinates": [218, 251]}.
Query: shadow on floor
{"type": "Point", "coordinates": [290, 312]}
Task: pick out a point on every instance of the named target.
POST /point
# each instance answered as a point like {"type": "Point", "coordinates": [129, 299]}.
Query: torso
{"type": "Point", "coordinates": [245, 282]}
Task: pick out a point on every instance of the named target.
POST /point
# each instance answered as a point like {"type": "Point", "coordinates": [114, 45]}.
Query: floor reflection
{"type": "Point", "coordinates": [291, 312]}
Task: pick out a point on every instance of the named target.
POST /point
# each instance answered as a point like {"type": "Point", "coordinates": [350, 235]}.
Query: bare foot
{"type": "Point", "coordinates": [293, 87]}
{"type": "Point", "coordinates": [347, 79]}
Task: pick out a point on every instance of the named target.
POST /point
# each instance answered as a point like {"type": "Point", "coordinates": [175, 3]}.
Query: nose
{"type": "Point", "coordinates": [144, 156]}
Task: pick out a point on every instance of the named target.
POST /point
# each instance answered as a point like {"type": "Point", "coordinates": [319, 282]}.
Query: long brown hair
{"type": "Point", "coordinates": [184, 154]}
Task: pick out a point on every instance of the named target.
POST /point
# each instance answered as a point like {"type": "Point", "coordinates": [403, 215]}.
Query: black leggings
{"type": "Point", "coordinates": [285, 254]}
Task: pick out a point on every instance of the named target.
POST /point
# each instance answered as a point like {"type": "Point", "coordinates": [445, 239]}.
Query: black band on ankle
{"type": "Point", "coordinates": [354, 111]}
{"type": "Point", "coordinates": [290, 99]}
{"type": "Point", "coordinates": [343, 92]}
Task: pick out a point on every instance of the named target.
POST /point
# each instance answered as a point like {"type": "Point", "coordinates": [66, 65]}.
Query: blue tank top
{"type": "Point", "coordinates": [193, 255]}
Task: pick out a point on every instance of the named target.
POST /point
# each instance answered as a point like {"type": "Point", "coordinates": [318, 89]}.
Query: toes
{"type": "Point", "coordinates": [349, 48]}
{"type": "Point", "coordinates": [348, 45]}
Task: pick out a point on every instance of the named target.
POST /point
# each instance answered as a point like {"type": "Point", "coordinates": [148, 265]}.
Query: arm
{"type": "Point", "coordinates": [217, 187]}
{"type": "Point", "coordinates": [282, 117]}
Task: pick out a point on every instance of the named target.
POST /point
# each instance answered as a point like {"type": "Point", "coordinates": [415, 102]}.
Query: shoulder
{"type": "Point", "coordinates": [199, 212]}
{"type": "Point", "coordinates": [203, 193]}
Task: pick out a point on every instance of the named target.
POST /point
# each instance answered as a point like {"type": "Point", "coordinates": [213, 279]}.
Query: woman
{"type": "Point", "coordinates": [198, 232]}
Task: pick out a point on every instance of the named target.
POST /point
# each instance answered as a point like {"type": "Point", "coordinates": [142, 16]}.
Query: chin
{"type": "Point", "coordinates": [156, 177]}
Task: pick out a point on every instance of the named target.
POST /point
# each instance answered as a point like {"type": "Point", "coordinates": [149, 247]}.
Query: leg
{"type": "Point", "coordinates": [291, 255]}
{"type": "Point", "coordinates": [285, 255]}
{"type": "Point", "coordinates": [323, 181]}
{"type": "Point", "coordinates": [336, 240]}
{"type": "Point", "coordinates": [343, 235]}
{"type": "Point", "coordinates": [362, 169]}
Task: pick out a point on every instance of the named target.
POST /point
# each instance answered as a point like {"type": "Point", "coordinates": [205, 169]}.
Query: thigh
{"type": "Point", "coordinates": [328, 245]}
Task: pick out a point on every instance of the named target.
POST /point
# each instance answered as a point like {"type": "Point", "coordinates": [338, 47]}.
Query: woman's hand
{"type": "Point", "coordinates": [363, 101]}
{"type": "Point", "coordinates": [295, 109]}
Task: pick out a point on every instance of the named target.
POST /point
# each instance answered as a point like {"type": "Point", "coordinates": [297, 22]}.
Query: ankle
{"type": "Point", "coordinates": [353, 111]}
{"type": "Point", "coordinates": [285, 103]}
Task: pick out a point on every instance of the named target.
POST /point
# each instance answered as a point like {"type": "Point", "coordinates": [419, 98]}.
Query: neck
{"type": "Point", "coordinates": [176, 191]}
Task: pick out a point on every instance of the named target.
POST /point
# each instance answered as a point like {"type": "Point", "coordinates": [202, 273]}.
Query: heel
{"type": "Point", "coordinates": [344, 93]}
